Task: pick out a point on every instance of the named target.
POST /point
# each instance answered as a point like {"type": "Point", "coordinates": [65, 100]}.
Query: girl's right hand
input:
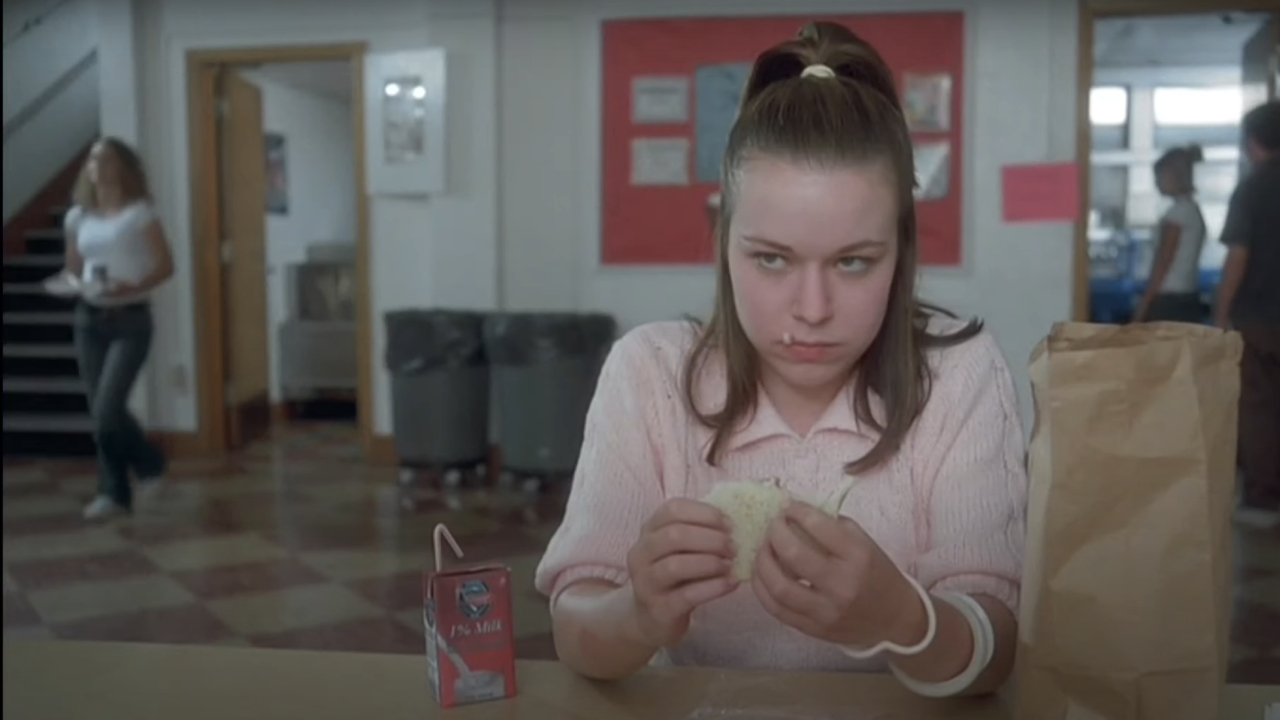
{"type": "Point", "coordinates": [683, 559]}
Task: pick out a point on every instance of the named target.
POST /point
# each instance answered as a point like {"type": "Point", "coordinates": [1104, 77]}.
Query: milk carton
{"type": "Point", "coordinates": [469, 638]}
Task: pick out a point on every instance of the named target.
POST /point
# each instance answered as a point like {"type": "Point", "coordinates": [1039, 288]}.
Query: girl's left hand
{"type": "Point", "coordinates": [836, 584]}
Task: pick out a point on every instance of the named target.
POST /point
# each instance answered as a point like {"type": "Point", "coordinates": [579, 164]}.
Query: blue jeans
{"type": "Point", "coordinates": [111, 346]}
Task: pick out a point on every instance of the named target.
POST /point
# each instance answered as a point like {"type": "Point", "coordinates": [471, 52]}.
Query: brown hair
{"type": "Point", "coordinates": [1180, 163]}
{"type": "Point", "coordinates": [133, 176]}
{"type": "Point", "coordinates": [853, 118]}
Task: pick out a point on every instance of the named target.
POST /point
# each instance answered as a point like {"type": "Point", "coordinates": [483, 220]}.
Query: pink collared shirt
{"type": "Point", "coordinates": [949, 509]}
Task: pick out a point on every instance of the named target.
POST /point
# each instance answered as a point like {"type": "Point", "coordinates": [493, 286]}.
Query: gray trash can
{"type": "Point", "coordinates": [439, 387]}
{"type": "Point", "coordinates": [543, 370]}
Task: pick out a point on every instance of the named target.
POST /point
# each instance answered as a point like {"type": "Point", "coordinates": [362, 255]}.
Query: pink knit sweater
{"type": "Point", "coordinates": [949, 509]}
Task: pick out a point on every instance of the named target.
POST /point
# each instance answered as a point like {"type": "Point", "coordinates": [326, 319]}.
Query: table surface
{"type": "Point", "coordinates": [70, 680]}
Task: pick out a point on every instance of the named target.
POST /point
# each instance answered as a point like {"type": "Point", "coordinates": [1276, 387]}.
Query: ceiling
{"type": "Point", "coordinates": [1173, 40]}
{"type": "Point", "coordinates": [330, 79]}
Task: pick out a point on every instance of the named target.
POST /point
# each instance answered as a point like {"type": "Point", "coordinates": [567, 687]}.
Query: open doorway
{"type": "Point", "coordinates": [281, 226]}
{"type": "Point", "coordinates": [310, 238]}
{"type": "Point", "coordinates": [1151, 81]}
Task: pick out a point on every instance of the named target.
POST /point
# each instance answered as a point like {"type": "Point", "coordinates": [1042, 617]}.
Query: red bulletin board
{"type": "Point", "coordinates": [668, 225]}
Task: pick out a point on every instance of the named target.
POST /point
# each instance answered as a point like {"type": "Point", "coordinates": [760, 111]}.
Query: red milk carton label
{"type": "Point", "coordinates": [470, 641]}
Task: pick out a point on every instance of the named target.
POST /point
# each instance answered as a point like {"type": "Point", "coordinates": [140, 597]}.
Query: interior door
{"type": "Point", "coordinates": [1260, 71]}
{"type": "Point", "coordinates": [243, 207]}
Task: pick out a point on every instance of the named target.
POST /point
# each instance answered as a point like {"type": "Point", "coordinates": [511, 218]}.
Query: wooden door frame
{"type": "Point", "coordinates": [1091, 10]}
{"type": "Point", "coordinates": [210, 364]}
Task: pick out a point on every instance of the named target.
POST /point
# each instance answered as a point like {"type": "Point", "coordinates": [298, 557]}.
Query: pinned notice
{"type": "Point", "coordinates": [1041, 193]}
{"type": "Point", "coordinates": [659, 161]}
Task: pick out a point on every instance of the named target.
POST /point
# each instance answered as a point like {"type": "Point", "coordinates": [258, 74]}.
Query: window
{"type": "Point", "coordinates": [1198, 106]}
{"type": "Point", "coordinates": [1108, 106]}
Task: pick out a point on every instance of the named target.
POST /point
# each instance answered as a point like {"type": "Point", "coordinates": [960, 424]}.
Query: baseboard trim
{"type": "Point", "coordinates": [181, 445]}
{"type": "Point", "coordinates": [382, 450]}
{"type": "Point", "coordinates": [185, 445]}
{"type": "Point", "coordinates": [281, 412]}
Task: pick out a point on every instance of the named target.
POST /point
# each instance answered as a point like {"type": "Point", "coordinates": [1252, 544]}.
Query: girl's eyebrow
{"type": "Point", "coordinates": [781, 247]}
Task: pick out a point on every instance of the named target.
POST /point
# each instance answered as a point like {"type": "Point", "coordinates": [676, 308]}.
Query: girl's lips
{"type": "Point", "coordinates": [809, 352]}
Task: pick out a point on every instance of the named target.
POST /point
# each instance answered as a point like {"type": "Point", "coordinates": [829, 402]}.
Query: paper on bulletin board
{"type": "Point", "coordinates": [926, 102]}
{"type": "Point", "coordinates": [1048, 192]}
{"type": "Point", "coordinates": [659, 161]}
{"type": "Point", "coordinates": [933, 170]}
{"type": "Point", "coordinates": [660, 100]}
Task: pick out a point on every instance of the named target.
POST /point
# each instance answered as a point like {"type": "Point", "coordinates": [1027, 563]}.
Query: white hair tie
{"type": "Point", "coordinates": [818, 71]}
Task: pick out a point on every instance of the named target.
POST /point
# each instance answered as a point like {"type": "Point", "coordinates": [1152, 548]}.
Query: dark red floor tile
{"type": "Point", "coordinates": [107, 566]}
{"type": "Point", "coordinates": [149, 535]}
{"type": "Point", "coordinates": [18, 612]}
{"type": "Point", "coordinates": [44, 524]}
{"type": "Point", "coordinates": [545, 509]}
{"type": "Point", "coordinates": [190, 624]}
{"type": "Point", "coordinates": [206, 471]}
{"type": "Point", "coordinates": [315, 536]}
{"type": "Point", "coordinates": [536, 647]}
{"type": "Point", "coordinates": [32, 489]}
{"type": "Point", "coordinates": [393, 592]}
{"type": "Point", "coordinates": [420, 501]}
{"type": "Point", "coordinates": [249, 578]}
{"type": "Point", "coordinates": [19, 463]}
{"type": "Point", "coordinates": [504, 543]}
{"type": "Point", "coordinates": [67, 468]}
{"type": "Point", "coordinates": [1255, 671]}
{"type": "Point", "coordinates": [201, 525]}
{"type": "Point", "coordinates": [253, 510]}
{"type": "Point", "coordinates": [377, 635]}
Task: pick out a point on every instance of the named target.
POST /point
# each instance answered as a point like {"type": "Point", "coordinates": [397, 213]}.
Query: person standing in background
{"type": "Point", "coordinates": [1249, 301]}
{"type": "Point", "coordinates": [1173, 287]}
{"type": "Point", "coordinates": [117, 252]}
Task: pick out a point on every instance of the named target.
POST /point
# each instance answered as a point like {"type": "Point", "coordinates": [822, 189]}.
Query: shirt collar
{"type": "Point", "coordinates": [767, 423]}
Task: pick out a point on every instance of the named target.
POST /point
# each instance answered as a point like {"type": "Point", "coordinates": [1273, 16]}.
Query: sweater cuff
{"type": "Point", "coordinates": [578, 573]}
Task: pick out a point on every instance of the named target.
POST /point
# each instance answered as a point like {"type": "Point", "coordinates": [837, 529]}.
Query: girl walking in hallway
{"type": "Point", "coordinates": [1173, 288]}
{"type": "Point", "coordinates": [116, 251]}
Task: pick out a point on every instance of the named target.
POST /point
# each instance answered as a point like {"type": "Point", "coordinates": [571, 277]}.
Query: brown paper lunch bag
{"type": "Point", "coordinates": [1126, 590]}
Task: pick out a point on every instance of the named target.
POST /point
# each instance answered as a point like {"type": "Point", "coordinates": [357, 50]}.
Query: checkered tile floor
{"type": "Point", "coordinates": [298, 544]}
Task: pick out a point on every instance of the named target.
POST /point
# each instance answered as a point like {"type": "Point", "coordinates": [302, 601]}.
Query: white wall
{"type": "Point", "coordinates": [319, 141]}
{"type": "Point", "coordinates": [35, 60]}
{"type": "Point", "coordinates": [18, 13]}
{"type": "Point", "coordinates": [40, 139]}
{"type": "Point", "coordinates": [38, 149]}
{"type": "Point", "coordinates": [118, 107]}
{"type": "Point", "coordinates": [423, 253]}
{"type": "Point", "coordinates": [89, 46]}
{"type": "Point", "coordinates": [1020, 106]}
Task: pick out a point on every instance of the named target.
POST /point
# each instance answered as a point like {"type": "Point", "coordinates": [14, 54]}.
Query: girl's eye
{"type": "Point", "coordinates": [770, 261]}
{"type": "Point", "coordinates": [853, 264]}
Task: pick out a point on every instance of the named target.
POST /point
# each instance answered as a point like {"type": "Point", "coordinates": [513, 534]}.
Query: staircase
{"type": "Point", "coordinates": [46, 412]}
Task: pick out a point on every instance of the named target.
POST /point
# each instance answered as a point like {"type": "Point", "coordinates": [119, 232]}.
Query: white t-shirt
{"type": "Point", "coordinates": [117, 242]}
{"type": "Point", "coordinates": [1184, 273]}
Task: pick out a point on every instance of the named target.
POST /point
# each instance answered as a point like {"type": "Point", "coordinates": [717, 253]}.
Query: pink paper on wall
{"type": "Point", "coordinates": [1041, 193]}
